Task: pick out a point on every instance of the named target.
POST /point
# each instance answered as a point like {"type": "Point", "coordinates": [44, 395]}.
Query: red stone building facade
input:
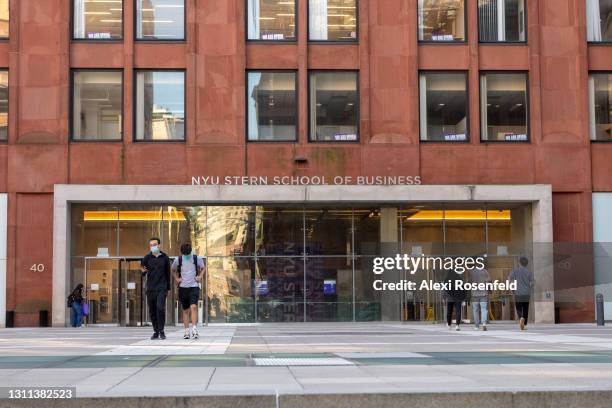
{"type": "Point", "coordinates": [39, 154]}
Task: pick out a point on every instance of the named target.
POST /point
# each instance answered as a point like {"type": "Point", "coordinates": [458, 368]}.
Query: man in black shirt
{"type": "Point", "coordinates": [156, 265]}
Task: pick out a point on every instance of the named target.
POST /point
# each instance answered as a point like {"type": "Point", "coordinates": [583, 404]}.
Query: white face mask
{"type": "Point", "coordinates": [155, 249]}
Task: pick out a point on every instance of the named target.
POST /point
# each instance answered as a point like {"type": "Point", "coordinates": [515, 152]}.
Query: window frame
{"type": "Point", "coordinates": [97, 40]}
{"type": "Point", "coordinates": [157, 40]}
{"type": "Point", "coordinates": [8, 106]}
{"type": "Point", "coordinates": [605, 72]}
{"type": "Point", "coordinates": [465, 29]}
{"type": "Point", "coordinates": [135, 103]}
{"type": "Point", "coordinates": [357, 107]}
{"type": "Point", "coordinates": [527, 101]}
{"type": "Point", "coordinates": [525, 42]}
{"type": "Point", "coordinates": [591, 42]}
{"type": "Point", "coordinates": [468, 112]}
{"type": "Point", "coordinates": [336, 42]}
{"type": "Point", "coordinates": [260, 41]}
{"type": "Point", "coordinates": [74, 71]}
{"type": "Point", "coordinates": [297, 104]}
{"type": "Point", "coordinates": [8, 37]}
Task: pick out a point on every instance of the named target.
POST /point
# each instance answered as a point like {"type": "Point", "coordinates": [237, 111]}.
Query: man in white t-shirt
{"type": "Point", "coordinates": [187, 269]}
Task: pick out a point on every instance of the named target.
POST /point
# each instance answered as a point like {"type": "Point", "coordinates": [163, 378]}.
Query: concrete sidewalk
{"type": "Point", "coordinates": [309, 359]}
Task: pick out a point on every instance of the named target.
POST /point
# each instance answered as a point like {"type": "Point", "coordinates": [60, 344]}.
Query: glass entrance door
{"type": "Point", "coordinates": [115, 292]}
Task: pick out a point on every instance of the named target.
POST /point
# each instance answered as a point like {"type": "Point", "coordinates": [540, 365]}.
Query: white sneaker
{"type": "Point", "coordinates": [186, 335]}
{"type": "Point", "coordinates": [449, 326]}
{"type": "Point", "coordinates": [194, 333]}
{"type": "Point", "coordinates": [476, 328]}
{"type": "Point", "coordinates": [458, 328]}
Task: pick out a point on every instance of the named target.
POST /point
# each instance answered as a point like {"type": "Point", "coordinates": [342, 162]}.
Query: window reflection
{"type": "Point", "coordinates": [501, 20]}
{"type": "Point", "coordinates": [599, 20]}
{"type": "Point", "coordinates": [441, 20]}
{"type": "Point", "coordinates": [98, 20]}
{"type": "Point", "coordinates": [332, 20]}
{"type": "Point", "coordinates": [444, 102]}
{"type": "Point", "coordinates": [600, 106]}
{"type": "Point", "coordinates": [280, 289]}
{"type": "Point", "coordinates": [97, 105]}
{"type": "Point", "coordinates": [504, 107]}
{"type": "Point", "coordinates": [4, 18]}
{"type": "Point", "coordinates": [160, 19]}
{"type": "Point", "coordinates": [4, 104]}
{"type": "Point", "coordinates": [334, 106]}
{"type": "Point", "coordinates": [272, 106]}
{"type": "Point", "coordinates": [160, 105]}
{"type": "Point", "coordinates": [271, 20]}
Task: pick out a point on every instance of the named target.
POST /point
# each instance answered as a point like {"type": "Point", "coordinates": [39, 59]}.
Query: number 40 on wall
{"type": "Point", "coordinates": [37, 267]}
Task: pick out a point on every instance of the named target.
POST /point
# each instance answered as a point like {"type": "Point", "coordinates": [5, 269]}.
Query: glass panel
{"type": "Point", "coordinates": [280, 294]}
{"type": "Point", "coordinates": [230, 290]}
{"type": "Point", "coordinates": [102, 291]}
{"type": "Point", "coordinates": [271, 20]}
{"type": "Point", "coordinates": [334, 106]}
{"type": "Point", "coordinates": [505, 98]}
{"type": "Point", "coordinates": [465, 231]}
{"type": "Point", "coordinates": [599, 20]}
{"type": "Point", "coordinates": [184, 225]}
{"type": "Point", "coordinates": [137, 224]}
{"type": "Point", "coordinates": [4, 105]}
{"type": "Point", "coordinates": [160, 19]}
{"type": "Point", "coordinates": [230, 230]}
{"type": "Point", "coordinates": [600, 86]}
{"type": "Point", "coordinates": [441, 20]}
{"type": "Point", "coordinates": [329, 289]}
{"type": "Point", "coordinates": [367, 231]}
{"type": "Point", "coordinates": [97, 105]}
{"type": "Point", "coordinates": [501, 20]}
{"type": "Point", "coordinates": [367, 300]}
{"type": "Point", "coordinates": [94, 230]}
{"type": "Point", "coordinates": [444, 102]}
{"type": "Point", "coordinates": [160, 105]}
{"type": "Point", "coordinates": [4, 18]}
{"type": "Point", "coordinates": [98, 20]}
{"type": "Point", "coordinates": [332, 20]}
{"type": "Point", "coordinates": [279, 231]}
{"type": "Point", "coordinates": [132, 295]}
{"type": "Point", "coordinates": [272, 107]}
{"type": "Point", "coordinates": [328, 231]}
{"type": "Point", "coordinates": [422, 230]}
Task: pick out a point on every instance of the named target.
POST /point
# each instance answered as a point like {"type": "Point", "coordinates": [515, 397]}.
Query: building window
{"type": "Point", "coordinates": [504, 110]}
{"type": "Point", "coordinates": [600, 106]}
{"type": "Point", "coordinates": [334, 106]}
{"type": "Point", "coordinates": [332, 20]}
{"type": "Point", "coordinates": [160, 105]}
{"type": "Point", "coordinates": [441, 20]}
{"type": "Point", "coordinates": [501, 20]}
{"type": "Point", "coordinates": [599, 20]}
{"type": "Point", "coordinates": [444, 106]}
{"type": "Point", "coordinates": [272, 106]}
{"type": "Point", "coordinates": [4, 104]}
{"type": "Point", "coordinates": [97, 105]}
{"type": "Point", "coordinates": [98, 20]}
{"type": "Point", "coordinates": [271, 20]}
{"type": "Point", "coordinates": [160, 20]}
{"type": "Point", "coordinates": [4, 18]}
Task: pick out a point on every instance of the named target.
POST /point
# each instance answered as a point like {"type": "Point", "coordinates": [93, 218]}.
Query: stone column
{"type": "Point", "coordinates": [389, 247]}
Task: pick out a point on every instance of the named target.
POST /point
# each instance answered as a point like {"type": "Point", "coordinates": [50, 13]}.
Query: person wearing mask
{"type": "Point", "coordinates": [480, 298]}
{"type": "Point", "coordinates": [522, 294]}
{"type": "Point", "coordinates": [187, 269]}
{"type": "Point", "coordinates": [75, 301]}
{"type": "Point", "coordinates": [455, 296]}
{"type": "Point", "coordinates": [156, 266]}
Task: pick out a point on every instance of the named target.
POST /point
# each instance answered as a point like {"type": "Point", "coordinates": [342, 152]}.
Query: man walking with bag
{"type": "Point", "coordinates": [186, 269]}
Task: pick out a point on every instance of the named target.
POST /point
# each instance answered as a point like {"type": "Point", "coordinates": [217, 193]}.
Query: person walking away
{"type": "Point", "coordinates": [75, 301]}
{"type": "Point", "coordinates": [186, 270]}
{"type": "Point", "coordinates": [156, 266]}
{"type": "Point", "coordinates": [480, 298]}
{"type": "Point", "coordinates": [522, 294]}
{"type": "Point", "coordinates": [455, 296]}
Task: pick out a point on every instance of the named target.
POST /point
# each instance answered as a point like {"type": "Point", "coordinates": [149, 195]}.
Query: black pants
{"type": "Point", "coordinates": [156, 301]}
{"type": "Point", "coordinates": [450, 304]}
{"type": "Point", "coordinates": [522, 309]}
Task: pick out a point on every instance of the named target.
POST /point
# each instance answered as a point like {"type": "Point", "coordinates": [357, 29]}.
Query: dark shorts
{"type": "Point", "coordinates": [188, 297]}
